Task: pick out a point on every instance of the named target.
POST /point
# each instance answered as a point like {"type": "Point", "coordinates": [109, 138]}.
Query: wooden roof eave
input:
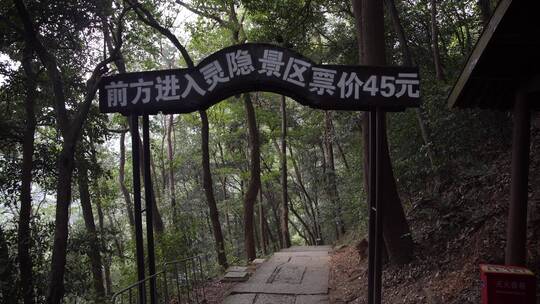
{"type": "Point", "coordinates": [485, 38]}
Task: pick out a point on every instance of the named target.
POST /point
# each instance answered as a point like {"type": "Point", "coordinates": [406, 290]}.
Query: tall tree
{"type": "Point", "coordinates": [106, 257]}
{"type": "Point", "coordinates": [147, 17]}
{"type": "Point", "coordinates": [331, 184]}
{"type": "Point", "coordinates": [25, 212]}
{"type": "Point", "coordinates": [262, 225]}
{"type": "Point", "coordinates": [122, 180]}
{"type": "Point", "coordinates": [408, 61]}
{"type": "Point", "coordinates": [435, 41]}
{"type": "Point", "coordinates": [254, 180]}
{"type": "Point", "coordinates": [310, 209]}
{"type": "Point", "coordinates": [209, 192]}
{"type": "Point", "coordinates": [94, 249]}
{"type": "Point", "coordinates": [236, 28]}
{"type": "Point", "coordinates": [158, 222]}
{"type": "Point", "coordinates": [7, 293]}
{"type": "Point", "coordinates": [369, 15]}
{"type": "Point", "coordinates": [170, 156]}
{"type": "Point", "coordinates": [284, 218]}
{"type": "Point", "coordinates": [70, 129]}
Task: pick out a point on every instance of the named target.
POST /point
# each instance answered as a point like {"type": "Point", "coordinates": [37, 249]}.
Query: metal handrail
{"type": "Point", "coordinates": [136, 284]}
{"type": "Point", "coordinates": [189, 283]}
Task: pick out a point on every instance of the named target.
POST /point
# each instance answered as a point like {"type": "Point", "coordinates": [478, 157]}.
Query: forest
{"type": "Point", "coordinates": [250, 175]}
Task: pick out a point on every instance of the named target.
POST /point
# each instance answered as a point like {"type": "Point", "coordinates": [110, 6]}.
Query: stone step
{"type": "Point", "coordinates": [236, 276]}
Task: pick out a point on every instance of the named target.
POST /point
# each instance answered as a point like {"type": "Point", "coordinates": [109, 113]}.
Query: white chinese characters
{"type": "Point", "coordinates": [349, 85]}
{"type": "Point", "coordinates": [408, 82]}
{"type": "Point", "coordinates": [239, 63]}
{"type": "Point", "coordinates": [405, 84]}
{"type": "Point", "coordinates": [295, 70]}
{"type": "Point", "coordinates": [143, 88]}
{"type": "Point", "coordinates": [323, 81]}
{"type": "Point", "coordinates": [161, 89]}
{"type": "Point", "coordinates": [167, 88]}
{"type": "Point", "coordinates": [242, 69]}
{"type": "Point", "coordinates": [213, 74]}
{"type": "Point", "coordinates": [272, 62]}
{"type": "Point", "coordinates": [117, 94]}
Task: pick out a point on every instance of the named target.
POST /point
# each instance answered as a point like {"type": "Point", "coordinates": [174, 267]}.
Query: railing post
{"type": "Point", "coordinates": [204, 277]}
{"type": "Point", "coordinates": [188, 283]}
{"type": "Point", "coordinates": [195, 280]}
{"type": "Point", "coordinates": [191, 277]}
{"type": "Point", "coordinates": [178, 288]}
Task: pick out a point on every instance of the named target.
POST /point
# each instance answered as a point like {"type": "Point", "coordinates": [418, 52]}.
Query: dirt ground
{"type": "Point", "coordinates": [216, 291]}
{"type": "Point", "coordinates": [453, 233]}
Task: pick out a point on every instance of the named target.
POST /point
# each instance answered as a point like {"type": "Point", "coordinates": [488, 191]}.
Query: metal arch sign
{"type": "Point", "coordinates": [260, 67]}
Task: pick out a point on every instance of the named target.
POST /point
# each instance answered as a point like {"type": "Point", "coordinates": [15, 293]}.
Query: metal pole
{"type": "Point", "coordinates": [516, 235]}
{"type": "Point", "coordinates": [139, 246]}
{"type": "Point", "coordinates": [372, 155]}
{"type": "Point", "coordinates": [378, 204]}
{"type": "Point", "coordinates": [148, 197]}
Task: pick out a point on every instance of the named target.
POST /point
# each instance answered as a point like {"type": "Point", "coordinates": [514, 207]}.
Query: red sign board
{"type": "Point", "coordinates": [507, 285]}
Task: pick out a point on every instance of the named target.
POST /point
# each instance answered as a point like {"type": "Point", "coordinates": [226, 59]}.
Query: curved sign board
{"type": "Point", "coordinates": [260, 67]}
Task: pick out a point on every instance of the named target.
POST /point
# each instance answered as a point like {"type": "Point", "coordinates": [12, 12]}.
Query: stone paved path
{"type": "Point", "coordinates": [297, 275]}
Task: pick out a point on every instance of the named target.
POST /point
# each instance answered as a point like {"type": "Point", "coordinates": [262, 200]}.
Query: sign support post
{"type": "Point", "coordinates": [139, 246]}
{"type": "Point", "coordinates": [375, 234]}
{"type": "Point", "coordinates": [149, 200]}
{"type": "Point", "coordinates": [379, 240]}
{"type": "Point", "coordinates": [371, 205]}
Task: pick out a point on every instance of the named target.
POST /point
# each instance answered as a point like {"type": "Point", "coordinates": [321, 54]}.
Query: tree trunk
{"type": "Point", "coordinates": [396, 230]}
{"type": "Point", "coordinates": [255, 178]}
{"type": "Point", "coordinates": [284, 210]}
{"type": "Point", "coordinates": [435, 41]}
{"type": "Point", "coordinates": [63, 199]}
{"type": "Point", "coordinates": [7, 293]}
{"type": "Point", "coordinates": [400, 33]}
{"type": "Point", "coordinates": [25, 212]}
{"type": "Point", "coordinates": [159, 225]}
{"type": "Point", "coordinates": [271, 239]}
{"type": "Point", "coordinates": [408, 61]}
{"type": "Point", "coordinates": [106, 257]}
{"type": "Point", "coordinates": [94, 249]}
{"type": "Point", "coordinates": [270, 199]}
{"type": "Point", "coordinates": [121, 180]}
{"type": "Point", "coordinates": [331, 184]}
{"type": "Point", "coordinates": [209, 192]}
{"type": "Point", "coordinates": [304, 224]}
{"type": "Point", "coordinates": [306, 240]}
{"type": "Point", "coordinates": [170, 155]}
{"type": "Point", "coordinates": [343, 156]}
{"type": "Point", "coordinates": [70, 127]}
{"type": "Point", "coordinates": [117, 241]}
{"type": "Point", "coordinates": [310, 204]}
{"type": "Point", "coordinates": [225, 195]}
{"type": "Point", "coordinates": [157, 220]}
{"type": "Point", "coordinates": [262, 228]}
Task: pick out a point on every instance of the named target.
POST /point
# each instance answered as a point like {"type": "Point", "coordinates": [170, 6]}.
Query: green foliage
{"type": "Point", "coordinates": [321, 30]}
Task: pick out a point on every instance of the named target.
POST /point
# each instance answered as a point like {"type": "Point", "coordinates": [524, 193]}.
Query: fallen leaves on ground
{"type": "Point", "coordinates": [454, 232]}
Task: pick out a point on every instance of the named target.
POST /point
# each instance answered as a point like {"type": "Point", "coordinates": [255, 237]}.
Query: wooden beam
{"type": "Point", "coordinates": [455, 95]}
{"type": "Point", "coordinates": [516, 233]}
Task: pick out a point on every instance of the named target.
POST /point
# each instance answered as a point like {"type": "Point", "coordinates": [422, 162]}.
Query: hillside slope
{"type": "Point", "coordinates": [453, 234]}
